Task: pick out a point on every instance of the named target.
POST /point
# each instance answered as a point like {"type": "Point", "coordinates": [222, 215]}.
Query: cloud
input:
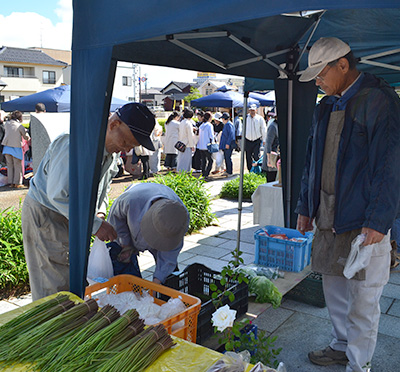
{"type": "Point", "coordinates": [30, 29]}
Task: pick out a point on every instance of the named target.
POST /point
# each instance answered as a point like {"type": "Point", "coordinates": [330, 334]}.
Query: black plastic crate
{"type": "Point", "coordinates": [309, 291]}
{"type": "Point", "coordinates": [195, 280]}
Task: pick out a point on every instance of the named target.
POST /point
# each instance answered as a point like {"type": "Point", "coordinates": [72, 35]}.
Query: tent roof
{"type": "Point", "coordinates": [221, 36]}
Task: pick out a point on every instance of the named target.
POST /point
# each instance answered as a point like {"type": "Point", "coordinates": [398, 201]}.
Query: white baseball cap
{"type": "Point", "coordinates": [253, 107]}
{"type": "Point", "coordinates": [325, 50]}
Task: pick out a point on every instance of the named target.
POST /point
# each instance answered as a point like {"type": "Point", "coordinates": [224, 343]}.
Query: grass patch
{"type": "Point", "coordinates": [13, 270]}
{"type": "Point", "coordinates": [192, 193]}
{"type": "Point", "coordinates": [251, 181]}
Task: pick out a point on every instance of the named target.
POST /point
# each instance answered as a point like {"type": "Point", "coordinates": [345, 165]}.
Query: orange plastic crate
{"type": "Point", "coordinates": [125, 283]}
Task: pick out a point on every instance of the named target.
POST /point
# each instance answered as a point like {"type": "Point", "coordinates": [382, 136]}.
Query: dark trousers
{"type": "Point", "coordinates": [271, 176]}
{"type": "Point", "coordinates": [252, 149]}
{"type": "Point", "coordinates": [206, 163]}
{"type": "Point", "coordinates": [145, 162]}
{"type": "Point", "coordinates": [228, 160]}
{"type": "Point", "coordinates": [196, 160]}
{"type": "Point", "coordinates": [170, 160]}
{"type": "Point", "coordinates": [131, 268]}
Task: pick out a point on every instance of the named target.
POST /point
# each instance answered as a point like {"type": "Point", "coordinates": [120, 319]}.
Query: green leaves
{"type": "Point", "coordinates": [13, 270]}
{"type": "Point", "coordinates": [192, 193]}
{"type": "Point", "coordinates": [251, 181]}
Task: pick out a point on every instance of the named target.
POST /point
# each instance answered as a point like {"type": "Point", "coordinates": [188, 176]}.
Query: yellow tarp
{"type": "Point", "coordinates": [183, 357]}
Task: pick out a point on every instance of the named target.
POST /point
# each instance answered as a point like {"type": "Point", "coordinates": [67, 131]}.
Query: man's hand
{"type": "Point", "coordinates": [101, 215]}
{"type": "Point", "coordinates": [304, 224]}
{"type": "Point", "coordinates": [106, 232]}
{"type": "Point", "coordinates": [227, 147]}
{"type": "Point", "coordinates": [157, 281]}
{"type": "Point", "coordinates": [372, 236]}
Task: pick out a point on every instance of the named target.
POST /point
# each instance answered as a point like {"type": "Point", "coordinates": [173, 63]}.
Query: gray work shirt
{"type": "Point", "coordinates": [126, 215]}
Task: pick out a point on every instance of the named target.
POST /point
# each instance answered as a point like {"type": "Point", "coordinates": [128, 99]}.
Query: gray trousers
{"type": "Point", "coordinates": [185, 160]}
{"type": "Point", "coordinates": [354, 311]}
{"type": "Point", "coordinates": [14, 170]}
{"type": "Point", "coordinates": [45, 237]}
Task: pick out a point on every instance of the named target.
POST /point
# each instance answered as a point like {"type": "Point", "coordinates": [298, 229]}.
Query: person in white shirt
{"type": "Point", "coordinates": [256, 131]}
{"type": "Point", "coordinates": [206, 136]}
{"type": "Point", "coordinates": [186, 136]}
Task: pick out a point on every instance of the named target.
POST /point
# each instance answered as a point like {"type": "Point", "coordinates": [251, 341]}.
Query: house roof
{"type": "Point", "coordinates": [21, 55]}
{"type": "Point", "coordinates": [180, 85]}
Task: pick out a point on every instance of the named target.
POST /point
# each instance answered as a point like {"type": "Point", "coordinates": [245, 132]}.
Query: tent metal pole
{"type": "Point", "coordinates": [240, 198]}
{"type": "Point", "coordinates": [289, 151]}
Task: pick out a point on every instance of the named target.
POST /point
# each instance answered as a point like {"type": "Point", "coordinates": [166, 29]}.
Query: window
{"type": "Point", "coordinates": [13, 71]}
{"type": "Point", "coordinates": [126, 81]}
{"type": "Point", "coordinates": [208, 91]}
{"type": "Point", "coordinates": [49, 77]}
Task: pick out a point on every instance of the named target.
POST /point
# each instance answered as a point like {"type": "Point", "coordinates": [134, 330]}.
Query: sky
{"type": "Point", "coordinates": [48, 24]}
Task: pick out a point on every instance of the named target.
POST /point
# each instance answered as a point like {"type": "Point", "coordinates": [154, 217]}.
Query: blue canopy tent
{"type": "Point", "coordinates": [267, 99]}
{"type": "Point", "coordinates": [253, 41]}
{"type": "Point", "coordinates": [227, 98]}
{"type": "Point", "coordinates": [55, 99]}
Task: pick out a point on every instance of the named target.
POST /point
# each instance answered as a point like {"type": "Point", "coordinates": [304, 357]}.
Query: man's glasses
{"type": "Point", "coordinates": [321, 76]}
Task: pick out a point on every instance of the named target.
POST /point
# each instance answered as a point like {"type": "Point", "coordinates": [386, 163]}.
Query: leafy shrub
{"type": "Point", "coordinates": [162, 121]}
{"type": "Point", "coordinates": [193, 195]}
{"type": "Point", "coordinates": [251, 181]}
{"type": "Point", "coordinates": [13, 270]}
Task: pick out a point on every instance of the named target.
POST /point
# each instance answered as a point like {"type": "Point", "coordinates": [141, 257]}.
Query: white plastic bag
{"type": "Point", "coordinates": [99, 264]}
{"type": "Point", "coordinates": [359, 256]}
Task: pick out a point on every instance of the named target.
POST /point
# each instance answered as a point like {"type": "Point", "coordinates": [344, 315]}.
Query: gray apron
{"type": "Point", "coordinates": [330, 250]}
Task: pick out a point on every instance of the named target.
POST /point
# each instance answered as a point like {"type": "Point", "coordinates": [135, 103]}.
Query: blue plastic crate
{"type": "Point", "coordinates": [285, 254]}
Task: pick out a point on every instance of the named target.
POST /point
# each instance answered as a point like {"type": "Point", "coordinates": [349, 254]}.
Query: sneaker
{"type": "Point", "coordinates": [215, 172]}
{"type": "Point", "coordinates": [226, 174]}
{"type": "Point", "coordinates": [327, 357]}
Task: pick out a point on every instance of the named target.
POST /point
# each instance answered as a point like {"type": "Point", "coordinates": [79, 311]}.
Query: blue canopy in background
{"type": "Point", "coordinates": [257, 41]}
{"type": "Point", "coordinates": [55, 99]}
{"type": "Point", "coordinates": [228, 98]}
{"type": "Point", "coordinates": [267, 99]}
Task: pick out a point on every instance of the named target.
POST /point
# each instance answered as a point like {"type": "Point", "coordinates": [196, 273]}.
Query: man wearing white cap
{"type": "Point", "coordinates": [148, 216]}
{"type": "Point", "coordinates": [350, 186]}
{"type": "Point", "coordinates": [256, 132]}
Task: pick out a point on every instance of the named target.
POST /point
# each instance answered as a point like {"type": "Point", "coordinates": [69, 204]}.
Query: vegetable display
{"type": "Point", "coordinates": [265, 291]}
{"type": "Point", "coordinates": [59, 335]}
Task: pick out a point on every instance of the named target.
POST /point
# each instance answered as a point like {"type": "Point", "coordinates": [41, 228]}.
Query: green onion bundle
{"type": "Point", "coordinates": [150, 355]}
{"type": "Point", "coordinates": [117, 344]}
{"type": "Point", "coordinates": [55, 358]}
{"type": "Point", "coordinates": [24, 347]}
{"type": "Point", "coordinates": [10, 333]}
{"type": "Point", "coordinates": [33, 312]}
{"type": "Point", "coordinates": [136, 353]}
{"type": "Point", "coordinates": [99, 341]}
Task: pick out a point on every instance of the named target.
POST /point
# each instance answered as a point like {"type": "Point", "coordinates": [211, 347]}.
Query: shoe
{"type": "Point", "coordinates": [19, 186]}
{"type": "Point", "coordinates": [327, 357]}
{"type": "Point", "coordinates": [215, 172]}
{"type": "Point", "coordinates": [226, 174]}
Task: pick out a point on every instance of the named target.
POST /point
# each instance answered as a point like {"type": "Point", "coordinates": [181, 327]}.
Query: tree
{"type": "Point", "coordinates": [194, 94]}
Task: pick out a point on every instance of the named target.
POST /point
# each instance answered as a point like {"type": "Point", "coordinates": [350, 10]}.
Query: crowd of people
{"type": "Point", "coordinates": [203, 142]}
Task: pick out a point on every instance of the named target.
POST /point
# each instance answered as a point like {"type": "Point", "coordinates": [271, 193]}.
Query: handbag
{"type": "Point", "coordinates": [180, 146]}
{"type": "Point", "coordinates": [212, 147]}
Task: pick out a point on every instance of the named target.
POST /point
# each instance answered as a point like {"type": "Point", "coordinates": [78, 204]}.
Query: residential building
{"type": "Point", "coordinates": [28, 71]}
{"type": "Point", "coordinates": [175, 93]}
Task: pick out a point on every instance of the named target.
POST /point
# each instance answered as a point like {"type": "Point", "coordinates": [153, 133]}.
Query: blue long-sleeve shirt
{"type": "Point", "coordinates": [227, 136]}
{"type": "Point", "coordinates": [126, 215]}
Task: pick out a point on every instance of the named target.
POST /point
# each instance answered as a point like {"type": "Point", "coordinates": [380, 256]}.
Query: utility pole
{"type": "Point", "coordinates": [135, 79]}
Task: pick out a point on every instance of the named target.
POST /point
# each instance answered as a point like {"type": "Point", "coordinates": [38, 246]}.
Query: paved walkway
{"type": "Point", "coordinates": [300, 328]}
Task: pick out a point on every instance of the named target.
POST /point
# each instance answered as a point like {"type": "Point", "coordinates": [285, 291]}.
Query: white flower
{"type": "Point", "coordinates": [223, 318]}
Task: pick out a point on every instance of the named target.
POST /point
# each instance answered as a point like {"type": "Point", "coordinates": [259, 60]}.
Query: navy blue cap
{"type": "Point", "coordinates": [140, 121]}
{"type": "Point", "coordinates": [225, 116]}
